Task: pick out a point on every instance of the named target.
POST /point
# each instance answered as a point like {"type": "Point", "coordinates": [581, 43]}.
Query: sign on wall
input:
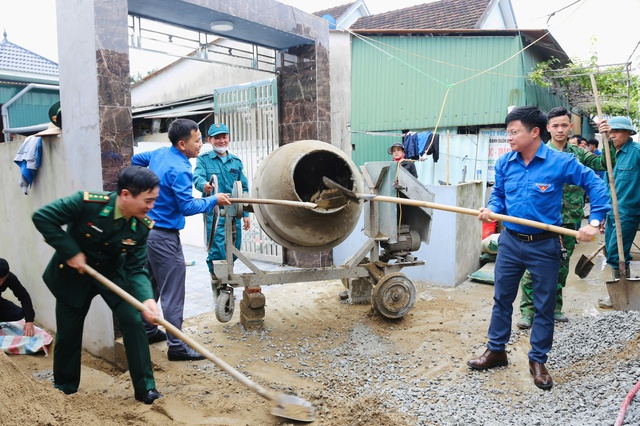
{"type": "Point", "coordinates": [498, 146]}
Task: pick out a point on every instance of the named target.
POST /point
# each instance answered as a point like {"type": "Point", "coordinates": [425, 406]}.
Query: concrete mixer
{"type": "Point", "coordinates": [295, 172]}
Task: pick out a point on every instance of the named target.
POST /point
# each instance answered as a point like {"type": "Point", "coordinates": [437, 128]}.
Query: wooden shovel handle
{"type": "Point", "coordinates": [181, 335]}
{"type": "Point", "coordinates": [472, 212]}
{"type": "Point", "coordinates": [612, 185]}
{"type": "Point", "coordinates": [289, 203]}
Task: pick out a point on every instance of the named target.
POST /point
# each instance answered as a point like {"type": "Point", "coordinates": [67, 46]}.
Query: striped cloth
{"type": "Point", "coordinates": [14, 343]}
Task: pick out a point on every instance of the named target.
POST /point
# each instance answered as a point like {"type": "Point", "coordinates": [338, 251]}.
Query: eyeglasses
{"type": "Point", "coordinates": [513, 134]}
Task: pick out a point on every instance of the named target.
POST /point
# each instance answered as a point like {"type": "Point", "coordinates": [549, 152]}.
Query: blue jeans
{"type": "Point", "coordinates": [542, 259]}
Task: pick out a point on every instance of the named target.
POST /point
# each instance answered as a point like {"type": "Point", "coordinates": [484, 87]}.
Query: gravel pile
{"type": "Point", "coordinates": [594, 360]}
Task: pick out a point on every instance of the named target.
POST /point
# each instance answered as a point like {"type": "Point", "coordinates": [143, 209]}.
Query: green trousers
{"type": "Point", "coordinates": [526, 284]}
{"type": "Point", "coordinates": [68, 346]}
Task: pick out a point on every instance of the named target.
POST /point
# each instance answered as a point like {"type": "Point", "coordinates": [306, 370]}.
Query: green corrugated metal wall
{"type": "Point", "coordinates": [30, 109]}
{"type": "Point", "coordinates": [400, 83]}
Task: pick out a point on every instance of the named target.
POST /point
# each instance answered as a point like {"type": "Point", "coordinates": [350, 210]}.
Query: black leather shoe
{"type": "Point", "coordinates": [160, 336]}
{"type": "Point", "coordinates": [541, 377]}
{"type": "Point", "coordinates": [489, 359]}
{"type": "Point", "coordinates": [149, 396]}
{"type": "Point", "coordinates": [185, 354]}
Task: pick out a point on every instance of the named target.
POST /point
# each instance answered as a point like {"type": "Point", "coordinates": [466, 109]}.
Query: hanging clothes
{"type": "Point", "coordinates": [28, 158]}
{"type": "Point", "coordinates": [411, 150]}
{"type": "Point", "coordinates": [433, 146]}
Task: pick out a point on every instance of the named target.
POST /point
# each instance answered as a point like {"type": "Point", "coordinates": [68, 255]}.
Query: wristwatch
{"type": "Point", "coordinates": [595, 223]}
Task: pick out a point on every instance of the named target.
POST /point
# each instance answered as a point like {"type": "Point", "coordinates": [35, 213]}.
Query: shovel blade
{"type": "Point", "coordinates": [583, 267]}
{"type": "Point", "coordinates": [624, 294]}
{"type": "Point", "coordinates": [294, 408]}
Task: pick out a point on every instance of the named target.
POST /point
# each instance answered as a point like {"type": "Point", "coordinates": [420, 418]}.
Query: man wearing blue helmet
{"type": "Point", "coordinates": [626, 175]}
{"type": "Point", "coordinates": [229, 169]}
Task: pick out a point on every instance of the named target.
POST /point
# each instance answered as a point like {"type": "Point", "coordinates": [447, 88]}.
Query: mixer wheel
{"type": "Point", "coordinates": [225, 305]}
{"type": "Point", "coordinates": [394, 295]}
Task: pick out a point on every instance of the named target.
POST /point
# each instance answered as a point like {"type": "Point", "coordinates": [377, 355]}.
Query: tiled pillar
{"type": "Point", "coordinates": [94, 85]}
{"type": "Point", "coordinates": [304, 111]}
{"type": "Point", "coordinates": [95, 100]}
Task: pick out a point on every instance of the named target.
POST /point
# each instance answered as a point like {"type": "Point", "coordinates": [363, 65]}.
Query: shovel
{"type": "Point", "coordinates": [286, 406]}
{"type": "Point", "coordinates": [584, 265]}
{"type": "Point", "coordinates": [405, 201]}
{"type": "Point", "coordinates": [624, 293]}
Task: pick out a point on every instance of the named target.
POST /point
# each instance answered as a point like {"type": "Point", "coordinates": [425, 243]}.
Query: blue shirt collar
{"type": "Point", "coordinates": [541, 153]}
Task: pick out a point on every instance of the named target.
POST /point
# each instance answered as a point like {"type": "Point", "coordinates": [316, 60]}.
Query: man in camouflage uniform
{"type": "Point", "coordinates": [559, 127]}
{"type": "Point", "coordinates": [108, 231]}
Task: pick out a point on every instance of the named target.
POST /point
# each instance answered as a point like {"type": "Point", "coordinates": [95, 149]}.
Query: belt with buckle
{"type": "Point", "coordinates": [545, 235]}
{"type": "Point", "coordinates": [158, 228]}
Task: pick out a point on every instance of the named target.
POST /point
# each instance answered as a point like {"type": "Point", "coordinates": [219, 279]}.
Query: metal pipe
{"type": "Point", "coordinates": [6, 105]}
{"type": "Point", "coordinates": [28, 129]}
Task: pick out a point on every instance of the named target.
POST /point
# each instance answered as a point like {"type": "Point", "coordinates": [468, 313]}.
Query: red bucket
{"type": "Point", "coordinates": [489, 228]}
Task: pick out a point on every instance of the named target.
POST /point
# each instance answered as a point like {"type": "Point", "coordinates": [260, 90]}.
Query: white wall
{"type": "Point", "coordinates": [455, 242]}
{"type": "Point", "coordinates": [340, 69]}
{"type": "Point", "coordinates": [25, 249]}
{"type": "Point", "coordinates": [187, 78]}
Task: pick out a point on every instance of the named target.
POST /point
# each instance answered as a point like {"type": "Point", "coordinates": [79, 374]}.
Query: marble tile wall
{"type": "Point", "coordinates": [114, 95]}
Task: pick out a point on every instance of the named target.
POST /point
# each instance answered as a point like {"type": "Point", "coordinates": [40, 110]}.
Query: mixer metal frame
{"type": "Point", "coordinates": [367, 278]}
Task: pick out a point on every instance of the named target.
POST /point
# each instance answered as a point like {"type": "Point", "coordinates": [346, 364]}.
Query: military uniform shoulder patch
{"type": "Point", "coordinates": [96, 197]}
{"type": "Point", "coordinates": [148, 222]}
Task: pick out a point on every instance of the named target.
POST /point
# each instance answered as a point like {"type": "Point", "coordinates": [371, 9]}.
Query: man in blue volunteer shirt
{"type": "Point", "coordinates": [529, 184]}
{"type": "Point", "coordinates": [165, 259]}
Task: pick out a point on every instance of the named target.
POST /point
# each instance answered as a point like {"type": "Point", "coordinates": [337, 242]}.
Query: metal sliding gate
{"type": "Point", "coordinates": [251, 113]}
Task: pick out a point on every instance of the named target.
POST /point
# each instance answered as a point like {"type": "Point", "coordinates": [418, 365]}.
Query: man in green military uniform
{"type": "Point", "coordinates": [559, 127]}
{"type": "Point", "coordinates": [107, 231]}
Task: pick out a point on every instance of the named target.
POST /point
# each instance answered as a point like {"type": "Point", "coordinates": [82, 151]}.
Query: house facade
{"type": "Point", "coordinates": [28, 88]}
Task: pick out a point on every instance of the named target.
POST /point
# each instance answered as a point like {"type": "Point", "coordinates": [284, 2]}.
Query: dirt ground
{"type": "Point", "coordinates": [303, 323]}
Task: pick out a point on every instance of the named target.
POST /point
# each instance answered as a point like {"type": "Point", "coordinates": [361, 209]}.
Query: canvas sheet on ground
{"type": "Point", "coordinates": [13, 342]}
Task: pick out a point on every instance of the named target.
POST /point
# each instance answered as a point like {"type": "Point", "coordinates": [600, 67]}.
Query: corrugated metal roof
{"type": "Point", "coordinates": [403, 86]}
{"type": "Point", "coordinates": [16, 58]}
{"type": "Point", "coordinates": [459, 14]}
{"type": "Point", "coordinates": [30, 109]}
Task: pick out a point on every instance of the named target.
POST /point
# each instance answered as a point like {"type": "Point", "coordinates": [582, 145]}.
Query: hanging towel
{"type": "Point", "coordinates": [28, 158]}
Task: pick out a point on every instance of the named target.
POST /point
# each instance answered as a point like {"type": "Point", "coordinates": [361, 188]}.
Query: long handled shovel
{"type": "Point", "coordinates": [405, 201]}
{"type": "Point", "coordinates": [585, 264]}
{"type": "Point", "coordinates": [286, 406]}
{"type": "Point", "coordinates": [624, 295]}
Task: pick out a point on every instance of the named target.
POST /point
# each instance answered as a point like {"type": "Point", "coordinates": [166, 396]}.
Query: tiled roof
{"type": "Point", "coordinates": [16, 58]}
{"type": "Point", "coordinates": [444, 14]}
{"type": "Point", "coordinates": [336, 12]}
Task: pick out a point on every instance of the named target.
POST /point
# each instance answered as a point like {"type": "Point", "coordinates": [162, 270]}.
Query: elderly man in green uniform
{"type": "Point", "coordinates": [559, 127]}
{"type": "Point", "coordinates": [626, 175]}
{"type": "Point", "coordinates": [107, 231]}
{"type": "Point", "coordinates": [229, 169]}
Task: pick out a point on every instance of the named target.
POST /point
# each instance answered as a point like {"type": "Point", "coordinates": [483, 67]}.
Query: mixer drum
{"type": "Point", "coordinates": [294, 172]}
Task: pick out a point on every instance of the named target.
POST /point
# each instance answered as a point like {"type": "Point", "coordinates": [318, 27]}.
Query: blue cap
{"type": "Point", "coordinates": [218, 128]}
{"type": "Point", "coordinates": [621, 123]}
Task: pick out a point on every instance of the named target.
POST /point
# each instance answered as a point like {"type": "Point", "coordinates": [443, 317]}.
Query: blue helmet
{"type": "Point", "coordinates": [621, 123]}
